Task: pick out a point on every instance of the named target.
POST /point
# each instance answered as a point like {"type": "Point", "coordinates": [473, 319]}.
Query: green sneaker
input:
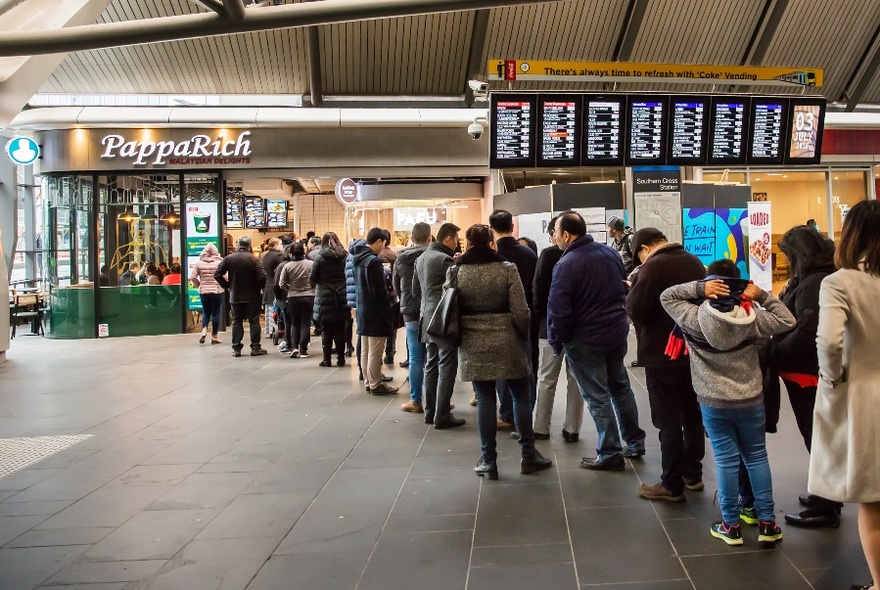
{"type": "Point", "coordinates": [748, 515]}
{"type": "Point", "coordinates": [729, 534]}
{"type": "Point", "coordinates": [769, 532]}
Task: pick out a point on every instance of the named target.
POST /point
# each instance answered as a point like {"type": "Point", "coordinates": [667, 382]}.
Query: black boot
{"type": "Point", "coordinates": [487, 469]}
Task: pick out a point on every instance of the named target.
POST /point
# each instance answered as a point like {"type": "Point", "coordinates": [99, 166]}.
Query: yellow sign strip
{"type": "Point", "coordinates": [500, 69]}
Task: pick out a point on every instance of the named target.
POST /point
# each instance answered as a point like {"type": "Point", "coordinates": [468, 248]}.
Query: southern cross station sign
{"type": "Point", "coordinates": [200, 149]}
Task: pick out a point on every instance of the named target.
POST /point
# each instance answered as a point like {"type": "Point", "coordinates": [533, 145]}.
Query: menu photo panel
{"type": "Point", "coordinates": [688, 130]}
{"type": "Point", "coordinates": [276, 213]}
{"type": "Point", "coordinates": [767, 131]}
{"type": "Point", "coordinates": [559, 128]}
{"type": "Point", "coordinates": [728, 130]}
{"type": "Point", "coordinates": [806, 128]}
{"type": "Point", "coordinates": [604, 118]}
{"type": "Point", "coordinates": [512, 121]}
{"type": "Point", "coordinates": [254, 213]}
{"type": "Point", "coordinates": [646, 131]}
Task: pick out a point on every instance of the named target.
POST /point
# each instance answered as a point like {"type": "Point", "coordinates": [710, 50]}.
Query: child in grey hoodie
{"type": "Point", "coordinates": [721, 327]}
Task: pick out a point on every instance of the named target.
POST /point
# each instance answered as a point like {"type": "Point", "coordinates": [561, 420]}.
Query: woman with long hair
{"type": "Point", "coordinates": [494, 330]}
{"type": "Point", "coordinates": [331, 309]}
{"type": "Point", "coordinates": [793, 354]}
{"type": "Point", "coordinates": [846, 421]}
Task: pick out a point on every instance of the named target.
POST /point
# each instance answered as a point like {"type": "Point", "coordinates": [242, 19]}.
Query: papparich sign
{"type": "Point", "coordinates": [198, 150]}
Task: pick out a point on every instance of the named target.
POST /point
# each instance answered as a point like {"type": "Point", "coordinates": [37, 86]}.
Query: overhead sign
{"type": "Point", "coordinates": [23, 150]}
{"type": "Point", "coordinates": [406, 217]}
{"type": "Point", "coordinates": [597, 71]}
{"type": "Point", "coordinates": [200, 149]}
{"type": "Point", "coordinates": [346, 191]}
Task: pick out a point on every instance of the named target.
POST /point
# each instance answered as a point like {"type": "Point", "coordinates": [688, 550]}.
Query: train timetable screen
{"type": "Point", "coordinates": [560, 117]}
{"type": "Point", "coordinates": [646, 134]}
{"type": "Point", "coordinates": [603, 120]}
{"type": "Point", "coordinates": [767, 131]}
{"type": "Point", "coordinates": [688, 130]}
{"type": "Point", "coordinates": [727, 134]}
{"type": "Point", "coordinates": [513, 124]}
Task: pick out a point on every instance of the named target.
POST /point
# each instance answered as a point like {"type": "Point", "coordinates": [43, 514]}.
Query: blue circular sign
{"type": "Point", "coordinates": [23, 150]}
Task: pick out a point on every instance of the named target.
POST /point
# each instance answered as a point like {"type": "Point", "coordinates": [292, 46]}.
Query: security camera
{"type": "Point", "coordinates": [478, 86]}
{"type": "Point", "coordinates": [475, 130]}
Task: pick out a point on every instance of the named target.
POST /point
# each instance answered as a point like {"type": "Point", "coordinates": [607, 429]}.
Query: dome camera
{"type": "Point", "coordinates": [475, 130]}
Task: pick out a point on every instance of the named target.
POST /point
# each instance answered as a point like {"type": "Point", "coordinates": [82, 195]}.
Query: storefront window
{"type": "Point", "coordinates": [735, 177]}
{"type": "Point", "coordinates": [848, 187]}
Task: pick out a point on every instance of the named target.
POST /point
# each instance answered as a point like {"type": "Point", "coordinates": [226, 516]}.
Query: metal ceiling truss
{"type": "Point", "coordinates": [214, 5]}
{"type": "Point", "coordinates": [234, 20]}
{"type": "Point", "coordinates": [858, 84]}
{"type": "Point", "coordinates": [476, 56]}
{"type": "Point", "coordinates": [764, 32]}
{"type": "Point", "coordinates": [629, 32]}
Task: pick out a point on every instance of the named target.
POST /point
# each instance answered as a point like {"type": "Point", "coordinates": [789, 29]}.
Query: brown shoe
{"type": "Point", "coordinates": [474, 402]}
{"type": "Point", "coordinates": [412, 407]}
{"type": "Point", "coordinates": [659, 492]}
{"type": "Point", "coordinates": [694, 485]}
{"type": "Point", "coordinates": [502, 425]}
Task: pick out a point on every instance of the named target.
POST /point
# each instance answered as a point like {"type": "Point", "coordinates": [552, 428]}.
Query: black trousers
{"type": "Point", "coordinates": [333, 336]}
{"type": "Point", "coordinates": [676, 413]}
{"type": "Point", "coordinates": [249, 311]}
{"type": "Point", "coordinates": [299, 309]}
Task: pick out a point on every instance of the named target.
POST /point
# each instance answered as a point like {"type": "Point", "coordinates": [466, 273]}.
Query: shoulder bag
{"type": "Point", "coordinates": [445, 325]}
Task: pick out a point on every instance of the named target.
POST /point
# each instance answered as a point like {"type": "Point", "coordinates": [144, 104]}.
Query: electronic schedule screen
{"type": "Point", "coordinates": [806, 127]}
{"type": "Point", "coordinates": [727, 130]}
{"type": "Point", "coordinates": [604, 120]}
{"type": "Point", "coordinates": [558, 130]}
{"type": "Point", "coordinates": [512, 135]}
{"type": "Point", "coordinates": [688, 124]}
{"type": "Point", "coordinates": [646, 133]}
{"type": "Point", "coordinates": [767, 130]}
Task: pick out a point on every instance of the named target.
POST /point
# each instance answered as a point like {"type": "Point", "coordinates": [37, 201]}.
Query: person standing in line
{"type": "Point", "coordinates": [441, 363]}
{"type": "Point", "coordinates": [526, 261]}
{"type": "Point", "coordinates": [374, 312]}
{"type": "Point", "coordinates": [494, 333]}
{"type": "Point", "coordinates": [793, 355]}
{"type": "Point", "coordinates": [295, 279]}
{"type": "Point", "coordinates": [210, 292]}
{"type": "Point", "coordinates": [674, 407]}
{"type": "Point", "coordinates": [549, 364]}
{"type": "Point", "coordinates": [331, 307]}
{"type": "Point", "coordinates": [351, 298]}
{"type": "Point", "coordinates": [314, 248]}
{"type": "Point", "coordinates": [623, 242]}
{"type": "Point", "coordinates": [846, 421]}
{"type": "Point", "coordinates": [388, 258]}
{"type": "Point", "coordinates": [243, 275]}
{"type": "Point", "coordinates": [721, 327]}
{"type": "Point", "coordinates": [409, 307]}
{"type": "Point", "coordinates": [272, 258]}
{"type": "Point", "coordinates": [586, 318]}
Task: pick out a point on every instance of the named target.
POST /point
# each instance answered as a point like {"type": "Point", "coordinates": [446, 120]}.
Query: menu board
{"type": "Point", "coordinates": [767, 130]}
{"type": "Point", "coordinates": [727, 138]}
{"type": "Point", "coordinates": [234, 213]}
{"type": "Point", "coordinates": [559, 128]}
{"type": "Point", "coordinates": [254, 213]}
{"type": "Point", "coordinates": [807, 127]}
{"type": "Point", "coordinates": [688, 125]}
{"type": "Point", "coordinates": [646, 139]}
{"type": "Point", "coordinates": [512, 131]}
{"type": "Point", "coordinates": [603, 127]}
{"type": "Point", "coordinates": [276, 213]}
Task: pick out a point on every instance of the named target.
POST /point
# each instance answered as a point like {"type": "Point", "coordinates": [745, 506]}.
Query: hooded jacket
{"type": "Point", "coordinates": [328, 279]}
{"type": "Point", "coordinates": [202, 272]}
{"type": "Point", "coordinates": [623, 245]}
{"type": "Point", "coordinates": [404, 270]}
{"type": "Point", "coordinates": [243, 274]}
{"type": "Point", "coordinates": [727, 372]}
{"type": "Point", "coordinates": [374, 312]}
{"type": "Point", "coordinates": [351, 294]}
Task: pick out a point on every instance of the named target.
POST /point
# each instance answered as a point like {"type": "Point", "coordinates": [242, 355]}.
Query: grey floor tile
{"type": "Point", "coordinates": [429, 560]}
{"type": "Point", "coordinates": [683, 584]}
{"type": "Point", "coordinates": [155, 475]}
{"type": "Point", "coordinates": [257, 515]}
{"type": "Point", "coordinates": [215, 564]}
{"type": "Point", "coordinates": [13, 526]}
{"type": "Point", "coordinates": [30, 567]}
{"type": "Point", "coordinates": [523, 577]}
{"type": "Point", "coordinates": [151, 535]}
{"type": "Point", "coordinates": [754, 569]}
{"type": "Point", "coordinates": [380, 485]}
{"type": "Point", "coordinates": [108, 506]}
{"type": "Point", "coordinates": [60, 537]}
{"type": "Point", "coordinates": [547, 554]}
{"type": "Point", "coordinates": [336, 528]}
{"type": "Point", "coordinates": [438, 496]}
{"type": "Point", "coordinates": [203, 491]}
{"type": "Point", "coordinates": [839, 576]}
{"type": "Point", "coordinates": [33, 508]}
{"type": "Point", "coordinates": [330, 571]}
{"type": "Point", "coordinates": [590, 489]}
{"type": "Point", "coordinates": [89, 572]}
{"type": "Point", "coordinates": [294, 473]}
{"type": "Point", "coordinates": [520, 514]}
{"type": "Point", "coordinates": [21, 480]}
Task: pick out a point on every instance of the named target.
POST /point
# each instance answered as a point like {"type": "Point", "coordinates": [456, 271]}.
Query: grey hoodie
{"type": "Point", "coordinates": [730, 375]}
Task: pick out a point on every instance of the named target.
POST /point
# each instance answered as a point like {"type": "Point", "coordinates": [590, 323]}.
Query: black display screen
{"type": "Point", "coordinates": [276, 213]}
{"type": "Point", "coordinates": [558, 130]}
{"type": "Point", "coordinates": [513, 121]}
{"type": "Point", "coordinates": [767, 130]}
{"type": "Point", "coordinates": [646, 133]}
{"type": "Point", "coordinates": [234, 213]}
{"type": "Point", "coordinates": [805, 131]}
{"type": "Point", "coordinates": [727, 130]}
{"type": "Point", "coordinates": [254, 213]}
{"type": "Point", "coordinates": [603, 130]}
{"type": "Point", "coordinates": [688, 124]}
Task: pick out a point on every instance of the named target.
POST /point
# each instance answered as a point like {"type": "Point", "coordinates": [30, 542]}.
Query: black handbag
{"type": "Point", "coordinates": [445, 325]}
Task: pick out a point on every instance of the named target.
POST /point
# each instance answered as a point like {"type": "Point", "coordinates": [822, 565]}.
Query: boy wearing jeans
{"type": "Point", "coordinates": [721, 327]}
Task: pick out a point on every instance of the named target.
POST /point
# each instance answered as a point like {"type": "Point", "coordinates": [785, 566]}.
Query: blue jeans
{"type": "Point", "coordinates": [604, 384]}
{"type": "Point", "coordinates": [211, 303]}
{"type": "Point", "coordinates": [505, 396]}
{"type": "Point", "coordinates": [522, 415]}
{"type": "Point", "coordinates": [735, 433]}
{"type": "Point", "coordinates": [417, 352]}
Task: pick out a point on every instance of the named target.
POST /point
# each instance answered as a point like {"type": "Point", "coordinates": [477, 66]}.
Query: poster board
{"type": "Point", "coordinates": [202, 228]}
{"type": "Point", "coordinates": [760, 244]}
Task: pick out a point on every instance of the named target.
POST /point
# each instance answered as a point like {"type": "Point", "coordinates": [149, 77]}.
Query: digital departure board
{"type": "Point", "coordinates": [254, 213]}
{"type": "Point", "coordinates": [603, 130]}
{"type": "Point", "coordinates": [767, 130]}
{"type": "Point", "coordinates": [727, 130]}
{"type": "Point", "coordinates": [559, 128]}
{"type": "Point", "coordinates": [646, 134]}
{"type": "Point", "coordinates": [512, 137]}
{"type": "Point", "coordinates": [688, 124]}
{"type": "Point", "coordinates": [234, 213]}
{"type": "Point", "coordinates": [806, 127]}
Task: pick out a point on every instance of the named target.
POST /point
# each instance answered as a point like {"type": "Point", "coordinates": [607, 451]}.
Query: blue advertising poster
{"type": "Point", "coordinates": [699, 233]}
{"type": "Point", "coordinates": [713, 234]}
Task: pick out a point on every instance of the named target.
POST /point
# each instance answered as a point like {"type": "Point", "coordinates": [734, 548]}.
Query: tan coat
{"type": "Point", "coordinates": [845, 458]}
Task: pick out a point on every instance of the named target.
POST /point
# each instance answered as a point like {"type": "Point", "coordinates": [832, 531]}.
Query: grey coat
{"type": "Point", "coordinates": [427, 283]}
{"type": "Point", "coordinates": [494, 321]}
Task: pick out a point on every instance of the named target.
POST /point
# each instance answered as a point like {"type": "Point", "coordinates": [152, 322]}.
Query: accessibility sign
{"type": "Point", "coordinates": [500, 69]}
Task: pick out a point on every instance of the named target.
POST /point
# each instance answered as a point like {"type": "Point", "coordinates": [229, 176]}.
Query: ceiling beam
{"type": "Point", "coordinates": [860, 79]}
{"type": "Point", "coordinates": [213, 5]}
{"type": "Point", "coordinates": [629, 32]}
{"type": "Point", "coordinates": [316, 84]}
{"type": "Point", "coordinates": [476, 56]}
{"type": "Point", "coordinates": [234, 9]}
{"type": "Point", "coordinates": [188, 26]}
{"type": "Point", "coordinates": [764, 32]}
{"type": "Point", "coordinates": [7, 5]}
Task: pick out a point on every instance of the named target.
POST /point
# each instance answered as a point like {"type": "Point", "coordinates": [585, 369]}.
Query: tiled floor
{"type": "Point", "coordinates": [204, 471]}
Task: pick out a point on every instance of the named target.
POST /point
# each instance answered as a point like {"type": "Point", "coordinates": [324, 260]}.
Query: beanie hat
{"type": "Point", "coordinates": [615, 223]}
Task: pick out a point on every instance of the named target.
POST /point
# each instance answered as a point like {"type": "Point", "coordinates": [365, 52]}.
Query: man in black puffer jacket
{"type": "Point", "coordinates": [245, 282]}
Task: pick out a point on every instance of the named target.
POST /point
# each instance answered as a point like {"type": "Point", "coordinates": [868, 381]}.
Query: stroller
{"type": "Point", "coordinates": [279, 329]}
